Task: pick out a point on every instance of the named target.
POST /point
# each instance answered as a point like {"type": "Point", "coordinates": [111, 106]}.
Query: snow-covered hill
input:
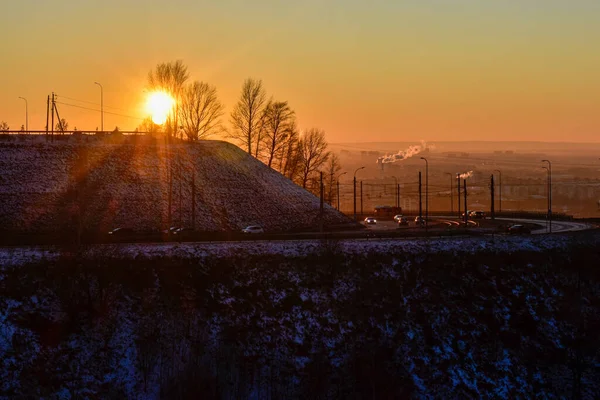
{"type": "Point", "coordinates": [101, 184]}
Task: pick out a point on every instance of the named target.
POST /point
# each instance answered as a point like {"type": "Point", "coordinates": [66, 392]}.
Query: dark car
{"type": "Point", "coordinates": [402, 221]}
{"type": "Point", "coordinates": [518, 230]}
{"type": "Point", "coordinates": [477, 215]}
{"type": "Point", "coordinates": [119, 232]}
{"type": "Point", "coordinates": [419, 221]}
{"type": "Point", "coordinates": [184, 233]}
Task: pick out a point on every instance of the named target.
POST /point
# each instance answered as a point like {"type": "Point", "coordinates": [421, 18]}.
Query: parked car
{"type": "Point", "coordinates": [397, 217]}
{"type": "Point", "coordinates": [121, 232]}
{"type": "Point", "coordinates": [468, 213]}
{"type": "Point", "coordinates": [419, 221]}
{"type": "Point", "coordinates": [253, 229]}
{"type": "Point", "coordinates": [518, 229]}
{"type": "Point", "coordinates": [402, 221]}
{"type": "Point", "coordinates": [184, 233]}
{"type": "Point", "coordinates": [370, 221]}
{"type": "Point", "coordinates": [477, 215]}
{"type": "Point", "coordinates": [171, 230]}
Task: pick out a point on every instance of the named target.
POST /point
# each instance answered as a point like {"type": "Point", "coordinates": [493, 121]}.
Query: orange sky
{"type": "Point", "coordinates": [363, 71]}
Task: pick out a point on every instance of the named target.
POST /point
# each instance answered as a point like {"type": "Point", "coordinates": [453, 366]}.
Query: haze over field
{"type": "Point", "coordinates": [377, 71]}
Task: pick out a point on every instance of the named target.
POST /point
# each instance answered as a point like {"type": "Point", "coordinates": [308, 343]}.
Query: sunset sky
{"type": "Point", "coordinates": [364, 71]}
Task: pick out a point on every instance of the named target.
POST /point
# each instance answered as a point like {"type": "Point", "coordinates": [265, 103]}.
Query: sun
{"type": "Point", "coordinates": [159, 105]}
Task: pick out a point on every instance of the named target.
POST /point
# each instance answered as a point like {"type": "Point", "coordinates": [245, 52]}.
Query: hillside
{"type": "Point", "coordinates": [95, 185]}
{"type": "Point", "coordinates": [454, 319]}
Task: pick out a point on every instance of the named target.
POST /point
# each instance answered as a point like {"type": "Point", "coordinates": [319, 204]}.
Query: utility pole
{"type": "Point", "coordinates": [451, 195]}
{"type": "Point", "coordinates": [354, 184]}
{"type": "Point", "coordinates": [26, 114]}
{"type": "Point", "coordinates": [492, 210]}
{"type": "Point", "coordinates": [47, 114]}
{"type": "Point", "coordinates": [458, 192]}
{"type": "Point", "coordinates": [465, 191]}
{"type": "Point", "coordinates": [52, 126]}
{"type": "Point", "coordinates": [426, 191]}
{"type": "Point", "coordinates": [500, 192]}
{"type": "Point", "coordinates": [361, 200]}
{"type": "Point", "coordinates": [101, 106]}
{"type": "Point", "coordinates": [321, 193]}
{"type": "Point", "coordinates": [549, 192]}
{"type": "Point", "coordinates": [338, 189]}
{"type": "Point", "coordinates": [193, 196]}
{"type": "Point", "coordinates": [398, 193]}
{"type": "Point", "coordinates": [420, 199]}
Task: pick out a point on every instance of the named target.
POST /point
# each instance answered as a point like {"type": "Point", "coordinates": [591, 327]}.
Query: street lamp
{"type": "Point", "coordinates": [26, 114]}
{"type": "Point", "coordinates": [549, 192]}
{"type": "Point", "coordinates": [500, 194]}
{"type": "Point", "coordinates": [426, 190]}
{"type": "Point", "coordinates": [396, 191]}
{"type": "Point", "coordinates": [358, 169]}
{"type": "Point", "coordinates": [451, 197]}
{"type": "Point", "coordinates": [338, 189]}
{"type": "Point", "coordinates": [101, 106]}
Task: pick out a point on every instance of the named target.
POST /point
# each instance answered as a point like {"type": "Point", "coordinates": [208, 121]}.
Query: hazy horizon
{"type": "Point", "coordinates": [415, 70]}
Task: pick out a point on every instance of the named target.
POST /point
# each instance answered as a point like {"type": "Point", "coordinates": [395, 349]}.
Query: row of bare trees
{"type": "Point", "coordinates": [265, 127]}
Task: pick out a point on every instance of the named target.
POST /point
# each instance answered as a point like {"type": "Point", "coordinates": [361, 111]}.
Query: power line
{"type": "Point", "coordinates": [93, 109]}
{"type": "Point", "coordinates": [90, 102]}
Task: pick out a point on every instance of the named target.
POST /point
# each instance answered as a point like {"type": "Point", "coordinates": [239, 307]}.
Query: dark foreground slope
{"type": "Point", "coordinates": [503, 318]}
{"type": "Point", "coordinates": [92, 185]}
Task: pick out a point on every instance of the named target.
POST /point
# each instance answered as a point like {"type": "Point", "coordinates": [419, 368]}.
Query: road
{"type": "Point", "coordinates": [557, 226]}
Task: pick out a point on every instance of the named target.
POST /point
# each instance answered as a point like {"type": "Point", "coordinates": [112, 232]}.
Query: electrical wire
{"type": "Point", "coordinates": [89, 102]}
{"type": "Point", "coordinates": [93, 109]}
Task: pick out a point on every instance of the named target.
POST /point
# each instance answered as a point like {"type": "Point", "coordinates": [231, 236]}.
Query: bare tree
{"type": "Point", "coordinates": [313, 153]}
{"type": "Point", "coordinates": [4, 126]}
{"type": "Point", "coordinates": [148, 126]}
{"type": "Point", "coordinates": [170, 78]}
{"type": "Point", "coordinates": [279, 126]}
{"type": "Point", "coordinates": [332, 170]}
{"type": "Point", "coordinates": [246, 114]}
{"type": "Point", "coordinates": [201, 111]}
{"type": "Point", "coordinates": [62, 125]}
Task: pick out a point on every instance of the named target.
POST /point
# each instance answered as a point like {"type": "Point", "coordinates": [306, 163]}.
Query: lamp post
{"type": "Point", "coordinates": [338, 189]}
{"type": "Point", "coordinates": [451, 197]}
{"type": "Point", "coordinates": [101, 106]}
{"type": "Point", "coordinates": [26, 114]}
{"type": "Point", "coordinates": [354, 180]}
{"type": "Point", "coordinates": [500, 193]}
{"type": "Point", "coordinates": [426, 190]}
{"type": "Point", "coordinates": [396, 191]}
{"type": "Point", "coordinates": [549, 193]}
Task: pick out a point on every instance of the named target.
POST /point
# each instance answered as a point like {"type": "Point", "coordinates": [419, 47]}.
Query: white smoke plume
{"type": "Point", "coordinates": [404, 154]}
{"type": "Point", "coordinates": [465, 175]}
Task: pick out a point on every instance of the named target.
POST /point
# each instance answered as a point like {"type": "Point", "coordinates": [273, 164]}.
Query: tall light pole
{"type": "Point", "coordinates": [26, 115]}
{"type": "Point", "coordinates": [396, 191]}
{"type": "Point", "coordinates": [101, 106]}
{"type": "Point", "coordinates": [549, 192]}
{"type": "Point", "coordinates": [338, 189]}
{"type": "Point", "coordinates": [500, 193]}
{"type": "Point", "coordinates": [426, 190]}
{"type": "Point", "coordinates": [354, 180]}
{"type": "Point", "coordinates": [451, 196]}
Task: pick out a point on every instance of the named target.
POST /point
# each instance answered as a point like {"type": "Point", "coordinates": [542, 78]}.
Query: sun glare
{"type": "Point", "coordinates": [159, 106]}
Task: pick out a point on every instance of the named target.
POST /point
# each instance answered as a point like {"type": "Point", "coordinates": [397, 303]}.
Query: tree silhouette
{"type": "Point", "coordinates": [4, 126]}
{"type": "Point", "coordinates": [313, 153]}
{"type": "Point", "coordinates": [279, 129]}
{"type": "Point", "coordinates": [62, 125]}
{"type": "Point", "coordinates": [169, 78]}
{"type": "Point", "coordinates": [246, 115]}
{"type": "Point", "coordinates": [201, 111]}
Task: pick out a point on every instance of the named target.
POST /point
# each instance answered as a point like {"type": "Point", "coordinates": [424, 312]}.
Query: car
{"type": "Point", "coordinates": [402, 221]}
{"type": "Point", "coordinates": [419, 221]}
{"type": "Point", "coordinates": [467, 213]}
{"type": "Point", "coordinates": [477, 215]}
{"type": "Point", "coordinates": [121, 232]}
{"type": "Point", "coordinates": [397, 217]}
{"type": "Point", "coordinates": [370, 221]}
{"type": "Point", "coordinates": [183, 231]}
{"type": "Point", "coordinates": [518, 230]}
{"type": "Point", "coordinates": [253, 229]}
{"type": "Point", "coordinates": [171, 230]}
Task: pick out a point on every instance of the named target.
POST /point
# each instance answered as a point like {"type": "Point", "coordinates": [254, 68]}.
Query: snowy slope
{"type": "Point", "coordinates": [45, 186]}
